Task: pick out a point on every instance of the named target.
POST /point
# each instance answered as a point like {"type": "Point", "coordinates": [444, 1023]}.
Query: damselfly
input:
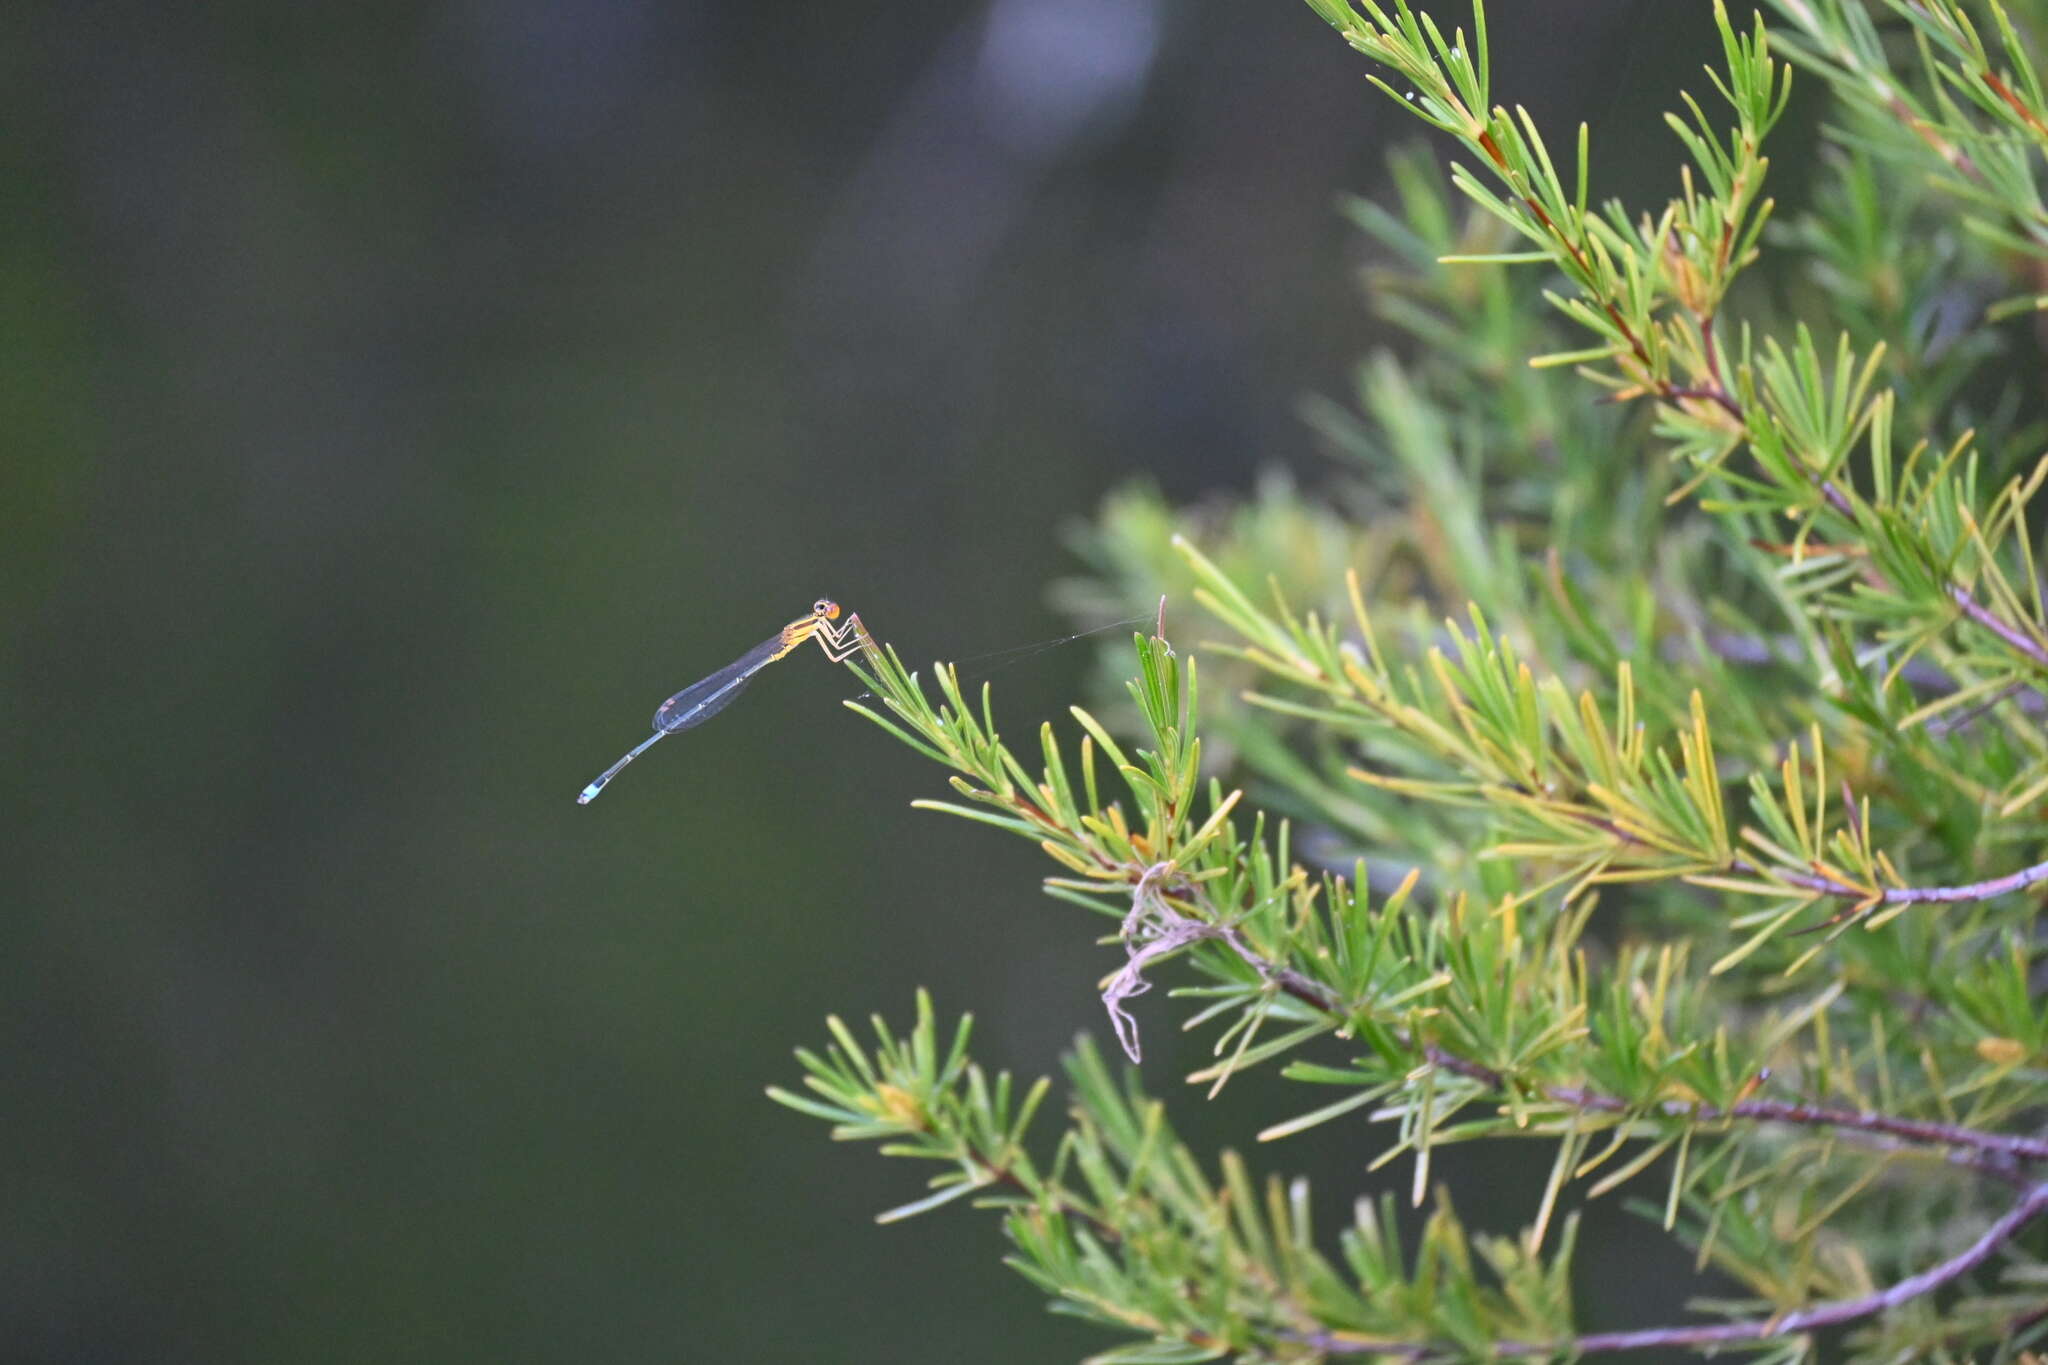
{"type": "Point", "coordinates": [702, 700]}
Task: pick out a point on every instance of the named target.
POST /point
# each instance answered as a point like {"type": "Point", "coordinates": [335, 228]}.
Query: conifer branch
{"type": "Point", "coordinates": [2030, 1206]}
{"type": "Point", "coordinates": [1911, 895]}
{"type": "Point", "coordinates": [1866, 897]}
{"type": "Point", "coordinates": [2003, 1146]}
{"type": "Point", "coordinates": [1839, 41]}
{"type": "Point", "coordinates": [2000, 1147]}
{"type": "Point", "coordinates": [1575, 740]}
{"type": "Point", "coordinates": [2020, 640]}
{"type": "Point", "coordinates": [1616, 304]}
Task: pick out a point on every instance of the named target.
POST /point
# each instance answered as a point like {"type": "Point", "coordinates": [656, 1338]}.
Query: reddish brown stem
{"type": "Point", "coordinates": [2014, 103]}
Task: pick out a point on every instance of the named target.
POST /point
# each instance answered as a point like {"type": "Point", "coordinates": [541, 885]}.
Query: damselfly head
{"type": "Point", "coordinates": [825, 609]}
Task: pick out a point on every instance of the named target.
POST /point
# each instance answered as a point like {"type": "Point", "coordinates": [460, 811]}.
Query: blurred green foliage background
{"type": "Point", "coordinates": [400, 401]}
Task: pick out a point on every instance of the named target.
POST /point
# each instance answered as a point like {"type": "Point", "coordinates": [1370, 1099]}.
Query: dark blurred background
{"type": "Point", "coordinates": [400, 401]}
